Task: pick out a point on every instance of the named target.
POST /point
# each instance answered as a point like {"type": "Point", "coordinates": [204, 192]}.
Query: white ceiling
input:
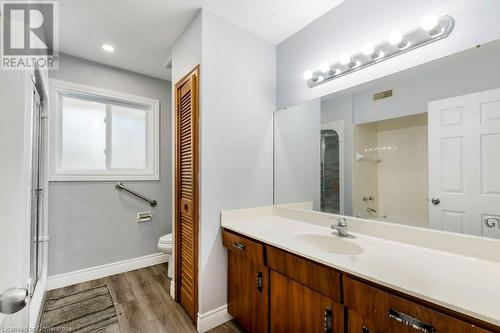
{"type": "Point", "coordinates": [143, 32]}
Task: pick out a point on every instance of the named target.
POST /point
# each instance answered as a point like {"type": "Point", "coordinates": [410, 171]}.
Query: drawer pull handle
{"type": "Point", "coordinates": [328, 320]}
{"type": "Point", "coordinates": [239, 246]}
{"type": "Point", "coordinates": [365, 330]}
{"type": "Point", "coordinates": [259, 281]}
{"type": "Point", "coordinates": [411, 322]}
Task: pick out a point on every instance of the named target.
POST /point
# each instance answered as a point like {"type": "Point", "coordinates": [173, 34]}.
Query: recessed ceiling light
{"type": "Point", "coordinates": [108, 47]}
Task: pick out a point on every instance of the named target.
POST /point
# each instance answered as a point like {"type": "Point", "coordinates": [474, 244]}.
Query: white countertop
{"type": "Point", "coordinates": [465, 284]}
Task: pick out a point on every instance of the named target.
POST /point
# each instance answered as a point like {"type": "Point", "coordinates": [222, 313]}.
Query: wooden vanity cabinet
{"type": "Point", "coordinates": [295, 308]}
{"type": "Point", "coordinates": [271, 290]}
{"type": "Point", "coordinates": [304, 296]}
{"type": "Point", "coordinates": [372, 310]}
{"type": "Point", "coordinates": [248, 283]}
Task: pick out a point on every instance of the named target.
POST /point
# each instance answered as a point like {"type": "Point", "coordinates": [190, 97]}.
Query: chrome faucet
{"type": "Point", "coordinates": [341, 227]}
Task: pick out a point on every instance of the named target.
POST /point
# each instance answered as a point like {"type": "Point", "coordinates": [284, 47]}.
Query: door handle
{"type": "Point", "coordinates": [13, 300]}
{"type": "Point", "coordinates": [435, 201]}
{"type": "Point", "coordinates": [492, 222]}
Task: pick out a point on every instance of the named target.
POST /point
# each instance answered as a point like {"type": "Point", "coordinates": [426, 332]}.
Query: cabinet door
{"type": "Point", "coordinates": [356, 323]}
{"type": "Point", "coordinates": [248, 285]}
{"type": "Point", "coordinates": [296, 308]}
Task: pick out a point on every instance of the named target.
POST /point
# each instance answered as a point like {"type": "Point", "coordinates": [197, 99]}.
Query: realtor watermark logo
{"type": "Point", "coordinates": [30, 37]}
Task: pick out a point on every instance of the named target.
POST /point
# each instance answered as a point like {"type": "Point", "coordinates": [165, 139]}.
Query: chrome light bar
{"type": "Point", "coordinates": [432, 30]}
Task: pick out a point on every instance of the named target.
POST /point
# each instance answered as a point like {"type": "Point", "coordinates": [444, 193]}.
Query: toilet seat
{"type": "Point", "coordinates": [166, 245]}
{"type": "Point", "coordinates": [166, 239]}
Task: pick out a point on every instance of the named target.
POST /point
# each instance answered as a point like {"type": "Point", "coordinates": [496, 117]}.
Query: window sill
{"type": "Point", "coordinates": [101, 178]}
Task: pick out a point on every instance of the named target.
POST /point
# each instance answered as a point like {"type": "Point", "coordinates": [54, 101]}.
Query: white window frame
{"type": "Point", "coordinates": [60, 88]}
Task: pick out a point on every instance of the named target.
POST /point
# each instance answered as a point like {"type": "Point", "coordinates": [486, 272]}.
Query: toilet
{"type": "Point", "coordinates": [165, 245]}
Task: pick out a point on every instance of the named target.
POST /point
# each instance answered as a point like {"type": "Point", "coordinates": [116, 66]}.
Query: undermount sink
{"type": "Point", "coordinates": [331, 244]}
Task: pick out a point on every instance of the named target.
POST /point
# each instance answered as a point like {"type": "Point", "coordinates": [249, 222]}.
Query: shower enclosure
{"type": "Point", "coordinates": [330, 172]}
{"type": "Point", "coordinates": [36, 191]}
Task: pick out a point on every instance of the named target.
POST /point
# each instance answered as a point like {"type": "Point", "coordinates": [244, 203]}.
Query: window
{"type": "Point", "coordinates": [102, 135]}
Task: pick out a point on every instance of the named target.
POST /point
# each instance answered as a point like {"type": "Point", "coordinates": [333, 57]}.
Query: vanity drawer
{"type": "Point", "coordinates": [377, 311]}
{"type": "Point", "coordinates": [317, 277]}
{"type": "Point", "coordinates": [243, 246]}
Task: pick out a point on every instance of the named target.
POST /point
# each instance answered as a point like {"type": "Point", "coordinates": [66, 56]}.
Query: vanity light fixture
{"type": "Point", "coordinates": [308, 75]}
{"type": "Point", "coordinates": [395, 37]}
{"type": "Point", "coordinates": [430, 22]}
{"type": "Point", "coordinates": [325, 68]}
{"type": "Point", "coordinates": [370, 51]}
{"type": "Point", "coordinates": [345, 59]}
{"type": "Point", "coordinates": [431, 29]}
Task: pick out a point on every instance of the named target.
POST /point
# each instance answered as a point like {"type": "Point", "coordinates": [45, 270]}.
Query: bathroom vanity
{"type": "Point", "coordinates": [410, 162]}
{"type": "Point", "coordinates": [287, 272]}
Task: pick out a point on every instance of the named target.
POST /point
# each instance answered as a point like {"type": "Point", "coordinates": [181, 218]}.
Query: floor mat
{"type": "Point", "coordinates": [84, 311]}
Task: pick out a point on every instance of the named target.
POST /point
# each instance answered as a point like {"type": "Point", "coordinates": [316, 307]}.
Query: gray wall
{"type": "Point", "coordinates": [236, 141]}
{"type": "Point", "coordinates": [297, 138]}
{"type": "Point", "coordinates": [91, 223]}
{"type": "Point", "coordinates": [238, 101]}
{"type": "Point", "coordinates": [355, 22]}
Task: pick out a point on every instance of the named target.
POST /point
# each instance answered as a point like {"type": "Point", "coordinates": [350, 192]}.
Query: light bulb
{"type": "Point", "coordinates": [429, 22]}
{"type": "Point", "coordinates": [307, 75]}
{"type": "Point", "coordinates": [108, 47]}
{"type": "Point", "coordinates": [345, 59]}
{"type": "Point", "coordinates": [395, 37]}
{"type": "Point", "coordinates": [368, 49]}
{"type": "Point", "coordinates": [324, 67]}
{"type": "Point", "coordinates": [320, 79]}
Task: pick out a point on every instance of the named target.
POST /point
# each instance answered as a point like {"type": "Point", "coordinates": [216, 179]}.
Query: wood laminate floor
{"type": "Point", "coordinates": [143, 303]}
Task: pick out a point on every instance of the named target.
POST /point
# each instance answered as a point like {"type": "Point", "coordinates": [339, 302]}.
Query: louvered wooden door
{"type": "Point", "coordinates": [187, 193]}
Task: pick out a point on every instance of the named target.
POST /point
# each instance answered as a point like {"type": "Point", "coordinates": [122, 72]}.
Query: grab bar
{"type": "Point", "coordinates": [119, 186]}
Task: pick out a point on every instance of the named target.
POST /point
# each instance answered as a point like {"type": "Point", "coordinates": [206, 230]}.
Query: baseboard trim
{"type": "Point", "coordinates": [97, 272]}
{"type": "Point", "coordinates": [208, 320]}
{"type": "Point", "coordinates": [172, 288]}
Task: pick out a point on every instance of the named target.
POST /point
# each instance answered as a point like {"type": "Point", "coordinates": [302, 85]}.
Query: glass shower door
{"type": "Point", "coordinates": [330, 172]}
{"type": "Point", "coordinates": [36, 192]}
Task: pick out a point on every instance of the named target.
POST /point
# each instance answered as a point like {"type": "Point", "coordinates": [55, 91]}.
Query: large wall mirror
{"type": "Point", "coordinates": [420, 147]}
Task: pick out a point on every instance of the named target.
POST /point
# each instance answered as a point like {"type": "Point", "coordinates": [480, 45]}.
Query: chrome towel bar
{"type": "Point", "coordinates": [119, 186]}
